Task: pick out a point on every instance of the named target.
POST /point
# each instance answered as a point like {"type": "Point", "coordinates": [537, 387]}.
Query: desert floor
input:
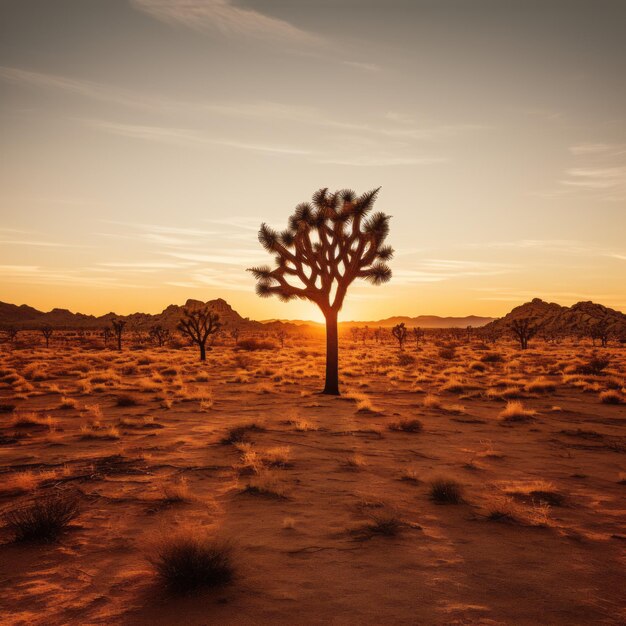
{"type": "Point", "coordinates": [327, 501]}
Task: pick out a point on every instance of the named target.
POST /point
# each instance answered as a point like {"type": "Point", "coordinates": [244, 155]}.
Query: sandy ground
{"type": "Point", "coordinates": [325, 468]}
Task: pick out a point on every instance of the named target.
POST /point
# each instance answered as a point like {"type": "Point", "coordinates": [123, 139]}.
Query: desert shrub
{"type": "Point", "coordinates": [445, 491]}
{"type": "Point", "coordinates": [255, 344]}
{"type": "Point", "coordinates": [595, 366]}
{"type": "Point", "coordinates": [404, 360]}
{"type": "Point", "coordinates": [407, 426]}
{"type": "Point", "coordinates": [492, 357]}
{"type": "Point", "coordinates": [126, 400]}
{"type": "Point", "coordinates": [385, 523]}
{"type": "Point", "coordinates": [190, 559]}
{"type": "Point", "coordinates": [237, 434]}
{"type": "Point", "coordinates": [44, 519]}
{"type": "Point", "coordinates": [515, 412]}
{"type": "Point", "coordinates": [611, 396]}
{"type": "Point", "coordinates": [477, 366]}
{"type": "Point", "coordinates": [7, 408]}
{"type": "Point", "coordinates": [447, 353]}
{"type": "Point", "coordinates": [541, 385]}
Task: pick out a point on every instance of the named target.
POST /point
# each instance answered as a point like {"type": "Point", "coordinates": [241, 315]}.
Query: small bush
{"type": "Point", "coordinates": [611, 397]}
{"type": "Point", "coordinates": [492, 357]}
{"type": "Point", "coordinates": [237, 434]}
{"type": "Point", "coordinates": [446, 491]}
{"type": "Point", "coordinates": [447, 353]}
{"type": "Point", "coordinates": [190, 559]}
{"type": "Point", "coordinates": [515, 412]}
{"type": "Point", "coordinates": [407, 426]}
{"type": "Point", "coordinates": [255, 344]}
{"type": "Point", "coordinates": [126, 400]}
{"type": "Point", "coordinates": [594, 367]}
{"type": "Point", "coordinates": [44, 519]}
{"type": "Point", "coordinates": [7, 408]}
{"type": "Point", "coordinates": [404, 359]}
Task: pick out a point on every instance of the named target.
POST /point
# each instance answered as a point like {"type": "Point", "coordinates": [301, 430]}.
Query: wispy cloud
{"type": "Point", "coordinates": [222, 16]}
{"type": "Point", "coordinates": [87, 89]}
{"type": "Point", "coordinates": [383, 160]}
{"type": "Point", "coordinates": [366, 67]}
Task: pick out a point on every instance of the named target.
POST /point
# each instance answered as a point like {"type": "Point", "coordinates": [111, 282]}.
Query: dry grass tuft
{"type": "Point", "coordinates": [191, 559]}
{"type": "Point", "coordinates": [407, 426]}
{"type": "Point", "coordinates": [43, 519]}
{"type": "Point", "coordinates": [445, 491]}
{"type": "Point", "coordinates": [611, 396]}
{"type": "Point", "coordinates": [515, 412]}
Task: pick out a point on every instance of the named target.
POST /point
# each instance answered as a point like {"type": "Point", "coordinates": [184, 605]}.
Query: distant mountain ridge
{"type": "Point", "coordinates": [427, 321]}
{"type": "Point", "coordinates": [25, 316]}
{"type": "Point", "coordinates": [554, 318]}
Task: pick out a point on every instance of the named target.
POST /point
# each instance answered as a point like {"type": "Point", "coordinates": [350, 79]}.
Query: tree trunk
{"type": "Point", "coordinates": [202, 352]}
{"type": "Point", "coordinates": [332, 354]}
{"type": "Point", "coordinates": [119, 341]}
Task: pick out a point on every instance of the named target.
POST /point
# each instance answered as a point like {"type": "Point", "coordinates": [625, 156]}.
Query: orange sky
{"type": "Point", "coordinates": [144, 142]}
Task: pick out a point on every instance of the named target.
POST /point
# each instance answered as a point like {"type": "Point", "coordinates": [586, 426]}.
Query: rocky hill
{"type": "Point", "coordinates": [554, 318]}
{"type": "Point", "coordinates": [27, 317]}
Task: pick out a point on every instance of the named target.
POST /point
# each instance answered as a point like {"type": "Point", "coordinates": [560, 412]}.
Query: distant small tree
{"type": "Point", "coordinates": [326, 247]}
{"type": "Point", "coordinates": [281, 335]}
{"type": "Point", "coordinates": [118, 329]}
{"type": "Point", "coordinates": [106, 335]}
{"type": "Point", "coordinates": [379, 334]}
{"type": "Point", "coordinates": [601, 330]}
{"type": "Point", "coordinates": [234, 333]}
{"type": "Point", "coordinates": [418, 335]}
{"type": "Point", "coordinates": [198, 324]}
{"type": "Point", "coordinates": [159, 334]}
{"type": "Point", "coordinates": [354, 333]}
{"type": "Point", "coordinates": [524, 328]}
{"type": "Point", "coordinates": [399, 331]}
{"type": "Point", "coordinates": [47, 332]}
{"type": "Point", "coordinates": [365, 334]}
{"type": "Point", "coordinates": [11, 333]}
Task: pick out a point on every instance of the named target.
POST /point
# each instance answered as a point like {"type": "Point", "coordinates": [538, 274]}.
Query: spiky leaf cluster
{"type": "Point", "coordinates": [328, 243]}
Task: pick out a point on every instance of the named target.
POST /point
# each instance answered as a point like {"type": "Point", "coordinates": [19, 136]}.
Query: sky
{"type": "Point", "coordinates": [144, 141]}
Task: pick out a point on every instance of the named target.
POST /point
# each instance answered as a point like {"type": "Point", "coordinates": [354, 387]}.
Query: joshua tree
{"type": "Point", "coordinates": [524, 328]}
{"type": "Point", "coordinates": [11, 333]}
{"type": "Point", "coordinates": [234, 333]}
{"type": "Point", "coordinates": [600, 330]}
{"type": "Point", "coordinates": [282, 335]}
{"type": "Point", "coordinates": [106, 335]}
{"type": "Point", "coordinates": [327, 245]}
{"type": "Point", "coordinates": [159, 334]}
{"type": "Point", "coordinates": [47, 331]}
{"type": "Point", "coordinates": [399, 331]}
{"type": "Point", "coordinates": [198, 324]}
{"type": "Point", "coordinates": [418, 335]}
{"type": "Point", "coordinates": [354, 333]}
{"type": "Point", "coordinates": [379, 333]}
{"type": "Point", "coordinates": [365, 334]}
{"type": "Point", "coordinates": [118, 329]}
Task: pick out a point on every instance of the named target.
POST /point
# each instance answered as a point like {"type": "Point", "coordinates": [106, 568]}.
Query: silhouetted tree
{"type": "Point", "coordinates": [11, 333]}
{"type": "Point", "coordinates": [524, 328]}
{"type": "Point", "coordinates": [159, 334]}
{"type": "Point", "coordinates": [600, 330]}
{"type": "Point", "coordinates": [106, 335]}
{"type": "Point", "coordinates": [379, 333]}
{"type": "Point", "coordinates": [281, 335]}
{"type": "Point", "coordinates": [399, 331]}
{"type": "Point", "coordinates": [418, 335]}
{"type": "Point", "coordinates": [198, 324]}
{"type": "Point", "coordinates": [118, 329]}
{"type": "Point", "coordinates": [47, 332]}
{"type": "Point", "coordinates": [328, 244]}
{"type": "Point", "coordinates": [365, 334]}
{"type": "Point", "coordinates": [354, 333]}
{"type": "Point", "coordinates": [234, 333]}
